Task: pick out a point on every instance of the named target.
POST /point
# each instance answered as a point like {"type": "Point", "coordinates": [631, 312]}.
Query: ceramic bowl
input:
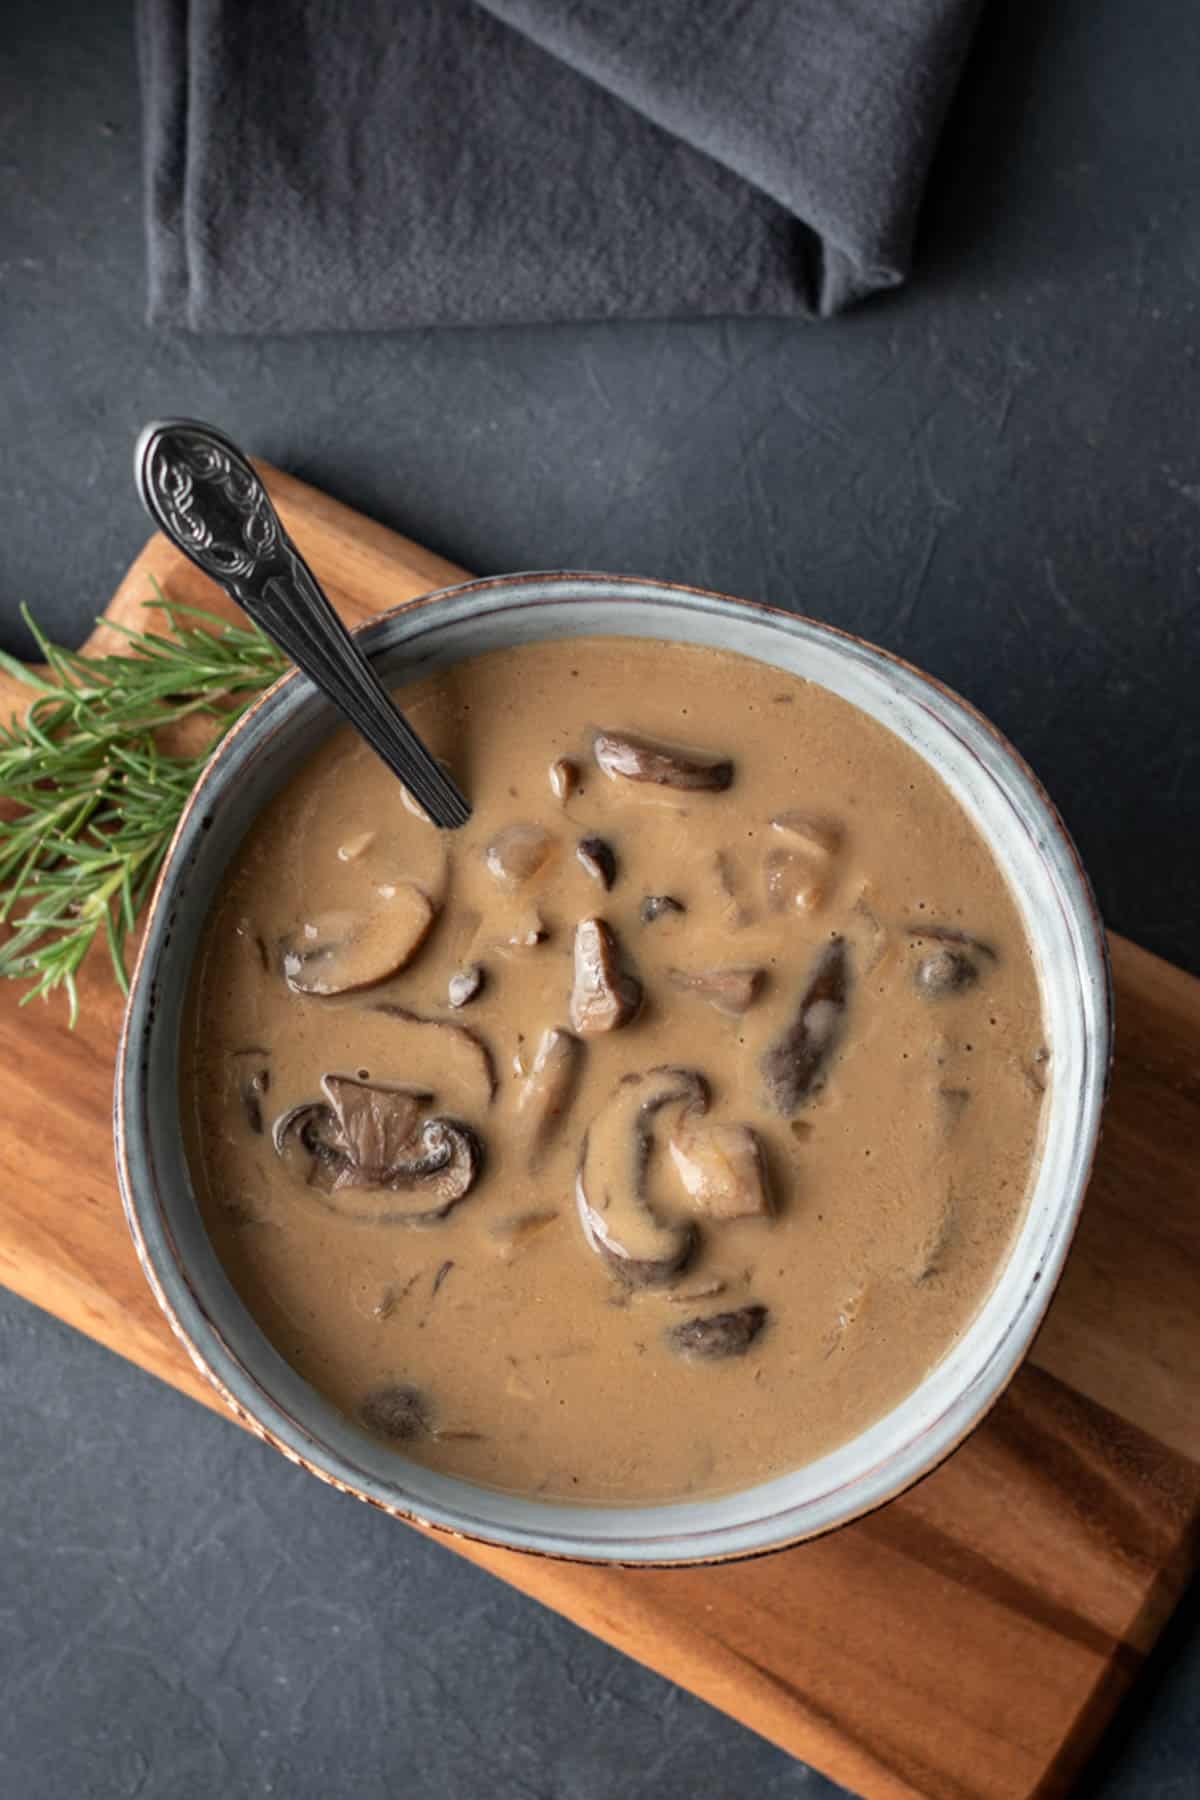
{"type": "Point", "coordinates": [1056, 904]}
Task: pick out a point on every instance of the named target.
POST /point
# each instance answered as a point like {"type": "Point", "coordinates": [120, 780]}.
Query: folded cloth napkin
{"type": "Point", "coordinates": [370, 164]}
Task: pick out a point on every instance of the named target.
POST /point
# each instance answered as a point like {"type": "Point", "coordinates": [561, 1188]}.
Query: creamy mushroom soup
{"type": "Point", "coordinates": [653, 1134]}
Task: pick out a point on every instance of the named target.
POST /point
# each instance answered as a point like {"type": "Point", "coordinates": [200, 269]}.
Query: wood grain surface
{"type": "Point", "coordinates": [969, 1640]}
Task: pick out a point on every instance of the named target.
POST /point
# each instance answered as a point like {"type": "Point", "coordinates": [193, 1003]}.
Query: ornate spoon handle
{"type": "Point", "coordinates": [202, 492]}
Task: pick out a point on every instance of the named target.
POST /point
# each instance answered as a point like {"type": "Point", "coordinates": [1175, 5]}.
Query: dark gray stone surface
{"type": "Point", "coordinates": [996, 472]}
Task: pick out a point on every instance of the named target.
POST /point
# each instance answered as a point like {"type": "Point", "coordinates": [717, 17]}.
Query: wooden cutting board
{"type": "Point", "coordinates": [969, 1640]}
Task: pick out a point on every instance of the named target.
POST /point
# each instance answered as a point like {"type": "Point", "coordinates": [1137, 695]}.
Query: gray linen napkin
{"type": "Point", "coordinates": [372, 164]}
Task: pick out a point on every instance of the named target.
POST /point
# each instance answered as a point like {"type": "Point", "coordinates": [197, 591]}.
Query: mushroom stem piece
{"type": "Point", "coordinates": [732, 990]}
{"type": "Point", "coordinates": [721, 1168]}
{"type": "Point", "coordinates": [719, 1335]}
{"type": "Point", "coordinates": [605, 995]}
{"type": "Point", "coordinates": [549, 1088]}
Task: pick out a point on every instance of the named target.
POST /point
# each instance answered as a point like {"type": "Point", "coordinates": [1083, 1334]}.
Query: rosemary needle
{"type": "Point", "coordinates": [91, 795]}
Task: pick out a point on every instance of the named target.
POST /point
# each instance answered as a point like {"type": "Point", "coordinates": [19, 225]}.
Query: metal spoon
{"type": "Point", "coordinates": [202, 492]}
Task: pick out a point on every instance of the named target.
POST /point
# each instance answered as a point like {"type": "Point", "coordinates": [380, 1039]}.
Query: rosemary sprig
{"type": "Point", "coordinates": [92, 795]}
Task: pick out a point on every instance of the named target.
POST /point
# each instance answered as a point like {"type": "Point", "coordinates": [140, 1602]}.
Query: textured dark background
{"type": "Point", "coordinates": [996, 472]}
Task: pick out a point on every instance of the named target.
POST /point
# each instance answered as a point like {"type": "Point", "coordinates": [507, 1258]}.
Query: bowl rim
{"type": "Point", "coordinates": [253, 1402]}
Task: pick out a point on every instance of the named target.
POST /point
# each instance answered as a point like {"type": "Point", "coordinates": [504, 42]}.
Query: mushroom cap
{"type": "Point", "coordinates": [371, 1157]}
{"type": "Point", "coordinates": [340, 952]}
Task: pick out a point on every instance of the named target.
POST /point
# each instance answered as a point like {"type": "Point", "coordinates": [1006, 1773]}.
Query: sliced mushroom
{"type": "Point", "coordinates": [518, 853]}
{"type": "Point", "coordinates": [605, 995]}
{"type": "Point", "coordinates": [944, 972]}
{"type": "Point", "coordinates": [461, 1055]}
{"type": "Point", "coordinates": [466, 985]}
{"type": "Point", "coordinates": [398, 1412]}
{"type": "Point", "coordinates": [722, 1168]}
{"type": "Point", "coordinates": [549, 1088]}
{"type": "Point", "coordinates": [338, 952]}
{"type": "Point", "coordinates": [658, 906]}
{"type": "Point", "coordinates": [954, 966]}
{"type": "Point", "coordinates": [794, 883]}
{"type": "Point", "coordinates": [799, 873]}
{"type": "Point", "coordinates": [794, 1064]}
{"type": "Point", "coordinates": [612, 1185]}
{"type": "Point", "coordinates": [375, 1125]}
{"type": "Point", "coordinates": [564, 778]}
{"type": "Point", "coordinates": [599, 858]}
{"type": "Point", "coordinates": [372, 1161]}
{"type": "Point", "coordinates": [626, 756]}
{"type": "Point", "coordinates": [732, 990]}
{"type": "Point", "coordinates": [719, 1335]}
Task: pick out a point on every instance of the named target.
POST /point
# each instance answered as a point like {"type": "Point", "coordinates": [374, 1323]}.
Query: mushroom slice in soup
{"type": "Point", "coordinates": [721, 1168]}
{"type": "Point", "coordinates": [338, 952]}
{"type": "Point", "coordinates": [627, 756]}
{"type": "Point", "coordinates": [795, 1064]}
{"type": "Point", "coordinates": [517, 853]}
{"type": "Point", "coordinates": [466, 984]}
{"type": "Point", "coordinates": [612, 1186]}
{"type": "Point", "coordinates": [732, 989]}
{"type": "Point", "coordinates": [371, 1156]}
{"type": "Point", "coordinates": [549, 1088]}
{"type": "Point", "coordinates": [598, 859]}
{"type": "Point", "coordinates": [717, 1336]}
{"type": "Point", "coordinates": [955, 963]}
{"type": "Point", "coordinates": [605, 995]}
